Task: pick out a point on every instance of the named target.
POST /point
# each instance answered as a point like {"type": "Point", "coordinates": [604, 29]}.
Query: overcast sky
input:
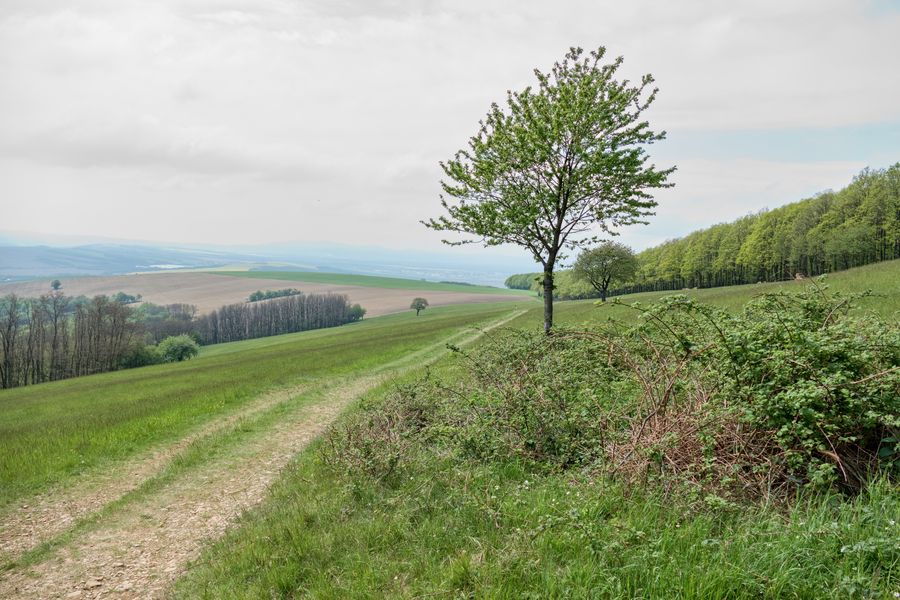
{"type": "Point", "coordinates": [247, 121]}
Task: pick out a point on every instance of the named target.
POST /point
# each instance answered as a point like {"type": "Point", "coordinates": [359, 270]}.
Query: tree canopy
{"type": "Point", "coordinates": [561, 164]}
{"type": "Point", "coordinates": [832, 231]}
{"type": "Point", "coordinates": [418, 305]}
{"type": "Point", "coordinates": [608, 263]}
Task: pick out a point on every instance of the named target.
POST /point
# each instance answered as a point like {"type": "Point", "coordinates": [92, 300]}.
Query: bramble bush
{"type": "Point", "coordinates": [794, 391]}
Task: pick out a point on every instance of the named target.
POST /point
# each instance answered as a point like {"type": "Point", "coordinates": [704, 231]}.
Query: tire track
{"type": "Point", "coordinates": [141, 549]}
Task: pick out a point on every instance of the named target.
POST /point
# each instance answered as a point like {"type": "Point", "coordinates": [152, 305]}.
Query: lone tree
{"type": "Point", "coordinates": [56, 284]}
{"type": "Point", "coordinates": [562, 164]}
{"type": "Point", "coordinates": [610, 262]}
{"type": "Point", "coordinates": [418, 305]}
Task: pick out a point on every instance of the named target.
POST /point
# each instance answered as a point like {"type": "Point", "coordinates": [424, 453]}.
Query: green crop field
{"type": "Point", "coordinates": [53, 431]}
{"type": "Point", "coordinates": [372, 281]}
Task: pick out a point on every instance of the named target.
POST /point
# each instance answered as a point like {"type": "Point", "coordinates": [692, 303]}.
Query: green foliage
{"type": "Point", "coordinates": [523, 281]}
{"type": "Point", "coordinates": [858, 225]}
{"type": "Point", "coordinates": [123, 298]}
{"type": "Point", "coordinates": [141, 356]}
{"type": "Point", "coordinates": [55, 285]}
{"type": "Point", "coordinates": [791, 391]}
{"type": "Point", "coordinates": [831, 232]}
{"type": "Point", "coordinates": [826, 386]}
{"type": "Point", "coordinates": [357, 312]}
{"type": "Point", "coordinates": [419, 304]}
{"type": "Point", "coordinates": [269, 294]}
{"type": "Point", "coordinates": [607, 264]}
{"type": "Point", "coordinates": [561, 162]}
{"type": "Point", "coordinates": [178, 348]}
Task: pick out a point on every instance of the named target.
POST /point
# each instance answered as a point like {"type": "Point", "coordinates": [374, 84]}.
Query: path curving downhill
{"type": "Point", "coordinates": [131, 532]}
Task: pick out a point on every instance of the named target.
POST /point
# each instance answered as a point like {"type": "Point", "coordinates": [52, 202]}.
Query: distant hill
{"type": "Point", "coordinates": [28, 256]}
{"type": "Point", "coordinates": [21, 262]}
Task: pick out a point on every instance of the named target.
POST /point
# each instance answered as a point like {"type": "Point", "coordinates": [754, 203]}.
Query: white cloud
{"type": "Point", "coordinates": [275, 119]}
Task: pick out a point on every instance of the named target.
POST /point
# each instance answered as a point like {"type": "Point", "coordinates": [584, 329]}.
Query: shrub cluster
{"type": "Point", "coordinates": [792, 392]}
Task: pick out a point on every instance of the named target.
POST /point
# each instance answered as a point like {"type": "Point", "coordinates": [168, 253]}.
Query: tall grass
{"type": "Point", "coordinates": [459, 530]}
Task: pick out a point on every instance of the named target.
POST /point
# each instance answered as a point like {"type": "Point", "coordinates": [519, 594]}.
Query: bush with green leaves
{"type": "Point", "coordinates": [791, 392]}
{"type": "Point", "coordinates": [141, 356]}
{"type": "Point", "coordinates": [357, 312]}
{"type": "Point", "coordinates": [177, 348]}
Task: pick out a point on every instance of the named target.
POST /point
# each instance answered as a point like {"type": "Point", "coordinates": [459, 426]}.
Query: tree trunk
{"type": "Point", "coordinates": [603, 294]}
{"type": "Point", "coordinates": [548, 300]}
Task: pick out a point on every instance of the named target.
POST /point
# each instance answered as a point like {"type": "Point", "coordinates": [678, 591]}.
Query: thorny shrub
{"type": "Point", "coordinates": [792, 391]}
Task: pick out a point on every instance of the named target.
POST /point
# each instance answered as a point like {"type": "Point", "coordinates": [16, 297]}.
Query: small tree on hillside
{"type": "Point", "coordinates": [564, 162]}
{"type": "Point", "coordinates": [177, 348]}
{"type": "Point", "coordinates": [608, 263]}
{"type": "Point", "coordinates": [56, 284]}
{"type": "Point", "coordinates": [418, 305]}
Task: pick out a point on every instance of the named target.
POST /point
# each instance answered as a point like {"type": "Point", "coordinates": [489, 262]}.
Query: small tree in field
{"type": "Point", "coordinates": [56, 284]}
{"type": "Point", "coordinates": [563, 162]}
{"type": "Point", "coordinates": [610, 262]}
{"type": "Point", "coordinates": [418, 305]}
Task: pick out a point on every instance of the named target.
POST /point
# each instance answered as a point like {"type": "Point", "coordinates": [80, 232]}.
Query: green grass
{"type": "Point", "coordinates": [883, 279]}
{"type": "Point", "coordinates": [447, 527]}
{"type": "Point", "coordinates": [372, 281]}
{"type": "Point", "coordinates": [53, 431]}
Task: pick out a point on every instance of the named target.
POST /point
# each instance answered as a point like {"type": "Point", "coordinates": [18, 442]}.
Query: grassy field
{"type": "Point", "coordinates": [447, 528]}
{"type": "Point", "coordinates": [452, 528]}
{"type": "Point", "coordinates": [372, 281]}
{"type": "Point", "coordinates": [883, 279]}
{"type": "Point", "coordinates": [54, 431]}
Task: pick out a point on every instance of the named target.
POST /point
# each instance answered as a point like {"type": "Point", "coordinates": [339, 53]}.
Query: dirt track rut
{"type": "Point", "coordinates": [138, 549]}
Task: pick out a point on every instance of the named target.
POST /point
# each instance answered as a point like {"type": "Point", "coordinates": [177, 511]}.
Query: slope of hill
{"type": "Point", "coordinates": [882, 279]}
{"type": "Point", "coordinates": [110, 482]}
{"type": "Point", "coordinates": [427, 503]}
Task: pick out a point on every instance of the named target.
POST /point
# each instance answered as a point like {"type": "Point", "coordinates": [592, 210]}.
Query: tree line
{"type": "Point", "coordinates": [269, 294]}
{"type": "Point", "coordinates": [832, 231]}
{"type": "Point", "coordinates": [287, 314]}
{"type": "Point", "coordinates": [56, 336]}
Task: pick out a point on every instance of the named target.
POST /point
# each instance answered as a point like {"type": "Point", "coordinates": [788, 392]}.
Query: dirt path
{"type": "Point", "coordinates": [49, 514]}
{"type": "Point", "coordinates": [138, 551]}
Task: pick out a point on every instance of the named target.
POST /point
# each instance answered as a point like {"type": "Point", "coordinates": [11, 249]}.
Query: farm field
{"type": "Point", "coordinates": [373, 281]}
{"type": "Point", "coordinates": [209, 291]}
{"type": "Point", "coordinates": [80, 456]}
